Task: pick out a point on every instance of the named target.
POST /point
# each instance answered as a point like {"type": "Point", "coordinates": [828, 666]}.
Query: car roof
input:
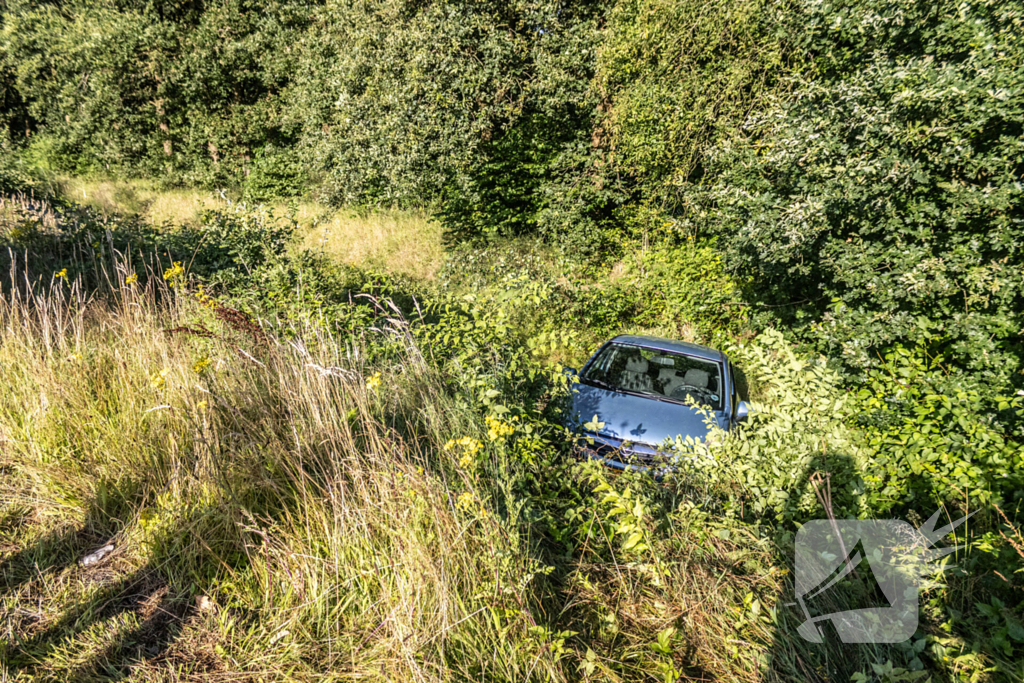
{"type": "Point", "coordinates": [672, 345]}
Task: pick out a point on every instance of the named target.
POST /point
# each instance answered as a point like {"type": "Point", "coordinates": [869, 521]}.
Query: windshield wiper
{"type": "Point", "coordinates": [601, 384]}
{"type": "Point", "coordinates": [666, 399]}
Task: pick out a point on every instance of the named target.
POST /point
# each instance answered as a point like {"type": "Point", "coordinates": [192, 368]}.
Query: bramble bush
{"type": "Point", "coordinates": [901, 446]}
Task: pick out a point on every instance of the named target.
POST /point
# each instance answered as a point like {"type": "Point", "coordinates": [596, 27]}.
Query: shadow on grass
{"type": "Point", "coordinates": [113, 622]}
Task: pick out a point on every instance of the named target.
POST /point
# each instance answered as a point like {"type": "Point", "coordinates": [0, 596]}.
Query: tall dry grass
{"type": "Point", "coordinates": [406, 242]}
{"type": "Point", "coordinates": [314, 515]}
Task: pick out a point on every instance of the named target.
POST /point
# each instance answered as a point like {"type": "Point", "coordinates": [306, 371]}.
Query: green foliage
{"type": "Point", "coordinates": [166, 90]}
{"type": "Point", "coordinates": [688, 290]}
{"type": "Point", "coordinates": [501, 197]}
{"type": "Point", "coordinates": [798, 428]}
{"type": "Point", "coordinates": [678, 76]}
{"type": "Point", "coordinates": [674, 287]}
{"type": "Point", "coordinates": [13, 177]}
{"type": "Point", "coordinates": [906, 440]}
{"type": "Point", "coordinates": [883, 197]}
{"type": "Point", "coordinates": [934, 443]}
{"type": "Point", "coordinates": [481, 125]}
{"type": "Point", "coordinates": [492, 342]}
{"type": "Point", "coordinates": [275, 172]}
{"type": "Point", "coordinates": [847, 171]}
{"type": "Point", "coordinates": [15, 123]}
{"type": "Point", "coordinates": [238, 240]}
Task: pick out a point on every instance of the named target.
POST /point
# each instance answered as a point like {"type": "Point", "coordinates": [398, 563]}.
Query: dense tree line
{"type": "Point", "coordinates": [858, 163]}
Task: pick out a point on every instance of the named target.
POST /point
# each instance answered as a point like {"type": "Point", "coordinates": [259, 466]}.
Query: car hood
{"type": "Point", "coordinates": [637, 419]}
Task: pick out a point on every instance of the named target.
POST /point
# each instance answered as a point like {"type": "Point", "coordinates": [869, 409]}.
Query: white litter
{"type": "Point", "coordinates": [93, 558]}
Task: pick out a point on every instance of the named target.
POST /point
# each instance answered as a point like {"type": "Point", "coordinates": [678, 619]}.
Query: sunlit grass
{"type": "Point", "coordinates": [155, 204]}
{"type": "Point", "coordinates": [312, 508]}
{"type": "Point", "coordinates": [406, 242]}
{"type": "Point", "coordinates": [403, 242]}
{"type": "Point", "coordinates": [288, 514]}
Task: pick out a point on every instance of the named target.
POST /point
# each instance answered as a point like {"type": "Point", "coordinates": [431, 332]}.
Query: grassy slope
{"type": "Point", "coordinates": [285, 514]}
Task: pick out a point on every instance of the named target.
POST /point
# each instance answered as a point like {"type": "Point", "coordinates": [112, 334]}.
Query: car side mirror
{"type": "Point", "coordinates": [742, 411]}
{"type": "Point", "coordinates": [570, 372]}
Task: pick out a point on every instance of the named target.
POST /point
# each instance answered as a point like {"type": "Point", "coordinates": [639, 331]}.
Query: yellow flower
{"type": "Point", "coordinates": [159, 379]}
{"type": "Point", "coordinates": [74, 358]}
{"type": "Point", "coordinates": [465, 501]}
{"type": "Point", "coordinates": [174, 274]}
{"type": "Point", "coordinates": [63, 273]}
{"type": "Point", "coordinates": [496, 429]}
{"type": "Point", "coordinates": [200, 365]}
{"type": "Point", "coordinates": [201, 405]}
{"type": "Point", "coordinates": [205, 299]}
{"type": "Point", "coordinates": [468, 445]}
{"type": "Point", "coordinates": [131, 279]}
{"type": "Point", "coordinates": [373, 382]}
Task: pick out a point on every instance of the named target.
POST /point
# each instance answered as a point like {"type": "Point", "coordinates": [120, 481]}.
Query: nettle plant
{"type": "Point", "coordinates": [799, 427]}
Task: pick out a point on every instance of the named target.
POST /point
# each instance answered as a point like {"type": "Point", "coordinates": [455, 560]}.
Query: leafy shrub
{"type": "Point", "coordinates": [881, 200]}
{"type": "Point", "coordinates": [799, 427]}
{"type": "Point", "coordinates": [469, 267]}
{"type": "Point", "coordinates": [491, 343]}
{"type": "Point", "coordinates": [678, 76]}
{"type": "Point", "coordinates": [238, 240]}
{"type": "Point", "coordinates": [168, 90]}
{"type": "Point", "coordinates": [480, 126]}
{"type": "Point", "coordinates": [687, 286]}
{"type": "Point", "coordinates": [13, 179]}
{"type": "Point", "coordinates": [934, 444]}
{"type": "Point", "coordinates": [276, 172]}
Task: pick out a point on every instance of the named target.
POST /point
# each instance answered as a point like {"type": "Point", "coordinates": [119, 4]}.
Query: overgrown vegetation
{"type": "Point", "coordinates": [325, 443]}
{"type": "Point", "coordinates": [308, 468]}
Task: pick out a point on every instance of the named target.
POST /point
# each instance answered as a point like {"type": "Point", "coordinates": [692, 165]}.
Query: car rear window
{"type": "Point", "coordinates": [656, 373]}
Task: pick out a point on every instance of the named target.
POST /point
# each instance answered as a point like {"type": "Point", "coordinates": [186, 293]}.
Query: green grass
{"type": "Point", "coordinates": [275, 514]}
{"type": "Point", "coordinates": [290, 508]}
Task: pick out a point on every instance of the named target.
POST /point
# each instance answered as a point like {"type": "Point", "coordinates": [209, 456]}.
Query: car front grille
{"type": "Point", "coordinates": [629, 456]}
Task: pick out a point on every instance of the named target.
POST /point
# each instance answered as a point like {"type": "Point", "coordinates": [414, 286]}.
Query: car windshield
{"type": "Point", "coordinates": [656, 373]}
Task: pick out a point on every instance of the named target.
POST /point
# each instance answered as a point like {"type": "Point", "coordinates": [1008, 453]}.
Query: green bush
{"type": "Point", "coordinates": [798, 428]}
{"type": "Point", "coordinates": [173, 90]}
{"type": "Point", "coordinates": [880, 202]}
{"type": "Point", "coordinates": [275, 172]}
{"type": "Point", "coordinates": [935, 443]}
{"type": "Point", "coordinates": [239, 239]}
{"type": "Point", "coordinates": [481, 124]}
{"type": "Point", "coordinates": [678, 76]}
